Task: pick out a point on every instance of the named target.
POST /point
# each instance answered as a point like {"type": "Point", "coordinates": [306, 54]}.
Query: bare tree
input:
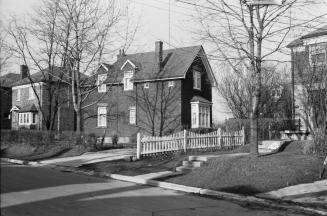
{"type": "Point", "coordinates": [76, 35]}
{"type": "Point", "coordinates": [34, 41]}
{"type": "Point", "coordinates": [156, 102]}
{"type": "Point", "coordinates": [235, 88]}
{"type": "Point", "coordinates": [311, 93]}
{"type": "Point", "coordinates": [88, 35]}
{"type": "Point", "coordinates": [245, 34]}
{"type": "Point", "coordinates": [5, 50]}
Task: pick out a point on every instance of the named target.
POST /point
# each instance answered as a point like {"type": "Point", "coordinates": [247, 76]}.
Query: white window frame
{"type": "Point", "coordinates": [132, 115]}
{"type": "Point", "coordinates": [102, 116]}
{"type": "Point", "coordinates": [200, 115]}
{"type": "Point", "coordinates": [31, 94]}
{"type": "Point", "coordinates": [128, 85]}
{"type": "Point", "coordinates": [171, 83]}
{"type": "Point", "coordinates": [102, 87]}
{"type": "Point", "coordinates": [196, 80]}
{"type": "Point", "coordinates": [146, 85]}
{"type": "Point", "coordinates": [18, 94]}
{"type": "Point", "coordinates": [26, 118]}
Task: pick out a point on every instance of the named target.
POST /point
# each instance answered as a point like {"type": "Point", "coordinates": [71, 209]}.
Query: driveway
{"type": "Point", "coordinates": [43, 191]}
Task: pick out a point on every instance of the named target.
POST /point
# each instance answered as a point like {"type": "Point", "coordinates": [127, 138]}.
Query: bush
{"type": "Point", "coordinates": [202, 130]}
{"type": "Point", "coordinates": [114, 140]}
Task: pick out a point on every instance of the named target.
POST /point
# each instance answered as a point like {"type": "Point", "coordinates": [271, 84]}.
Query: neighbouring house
{"type": "Point", "coordinates": [42, 101]}
{"type": "Point", "coordinates": [309, 72]}
{"type": "Point", "coordinates": [153, 92]}
{"type": "Point", "coordinates": [6, 82]}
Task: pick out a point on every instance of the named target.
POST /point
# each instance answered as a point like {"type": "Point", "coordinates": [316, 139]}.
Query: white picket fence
{"type": "Point", "coordinates": [188, 140]}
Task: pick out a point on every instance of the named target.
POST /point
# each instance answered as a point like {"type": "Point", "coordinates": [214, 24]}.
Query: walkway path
{"type": "Point", "coordinates": [91, 157]}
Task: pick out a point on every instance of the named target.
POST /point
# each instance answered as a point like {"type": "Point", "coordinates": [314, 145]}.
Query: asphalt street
{"type": "Point", "coordinates": [43, 191]}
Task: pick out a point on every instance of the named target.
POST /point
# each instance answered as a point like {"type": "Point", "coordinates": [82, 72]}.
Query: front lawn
{"type": "Point", "coordinates": [248, 175]}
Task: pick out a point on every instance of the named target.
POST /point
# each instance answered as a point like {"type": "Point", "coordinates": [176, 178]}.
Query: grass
{"type": "Point", "coordinates": [249, 175]}
{"type": "Point", "coordinates": [157, 163]}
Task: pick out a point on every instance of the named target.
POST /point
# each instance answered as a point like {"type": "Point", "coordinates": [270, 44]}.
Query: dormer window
{"type": "Point", "coordinates": [146, 85]}
{"type": "Point", "coordinates": [128, 85]}
{"type": "Point", "coordinates": [196, 80]}
{"type": "Point", "coordinates": [101, 85]}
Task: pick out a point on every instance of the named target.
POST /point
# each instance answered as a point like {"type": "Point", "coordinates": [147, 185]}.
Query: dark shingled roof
{"type": "Point", "coordinates": [315, 33]}
{"type": "Point", "coordinates": [175, 64]}
{"type": "Point", "coordinates": [9, 79]}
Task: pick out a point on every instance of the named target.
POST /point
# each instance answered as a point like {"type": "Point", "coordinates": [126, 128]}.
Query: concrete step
{"type": "Point", "coordinates": [198, 158]}
{"type": "Point", "coordinates": [184, 168]}
{"type": "Point", "coordinates": [193, 163]}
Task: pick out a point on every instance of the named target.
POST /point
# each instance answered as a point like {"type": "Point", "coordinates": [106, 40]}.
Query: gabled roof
{"type": "Point", "coordinates": [316, 33]}
{"type": "Point", "coordinates": [9, 79]}
{"type": "Point", "coordinates": [52, 74]}
{"type": "Point", "coordinates": [176, 62]}
{"type": "Point", "coordinates": [28, 108]}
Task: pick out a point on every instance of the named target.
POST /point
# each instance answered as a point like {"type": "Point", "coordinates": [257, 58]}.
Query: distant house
{"type": "Point", "coordinates": [309, 64]}
{"type": "Point", "coordinates": [153, 92]}
{"type": "Point", "coordinates": [35, 104]}
{"type": "Point", "coordinates": [6, 82]}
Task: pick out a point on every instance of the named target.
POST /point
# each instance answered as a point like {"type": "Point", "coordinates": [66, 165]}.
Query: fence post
{"type": "Point", "coordinates": [243, 133]}
{"type": "Point", "coordinates": [138, 146]}
{"type": "Point", "coordinates": [185, 140]}
{"type": "Point", "coordinates": [219, 137]}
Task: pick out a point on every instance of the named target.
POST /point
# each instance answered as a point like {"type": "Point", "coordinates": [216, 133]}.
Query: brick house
{"type": "Point", "coordinates": [309, 65]}
{"type": "Point", "coordinates": [6, 82]}
{"type": "Point", "coordinates": [34, 101]}
{"type": "Point", "coordinates": [153, 92]}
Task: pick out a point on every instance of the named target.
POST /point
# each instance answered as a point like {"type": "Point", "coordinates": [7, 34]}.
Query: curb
{"type": "Point", "coordinates": [21, 162]}
{"type": "Point", "coordinates": [277, 204]}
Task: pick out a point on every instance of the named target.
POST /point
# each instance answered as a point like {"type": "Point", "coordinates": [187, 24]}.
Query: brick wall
{"type": "Point", "coordinates": [5, 122]}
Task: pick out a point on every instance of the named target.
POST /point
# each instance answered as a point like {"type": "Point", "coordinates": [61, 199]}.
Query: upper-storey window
{"type": "Point", "coordinates": [31, 94]}
{"type": "Point", "coordinates": [197, 80]}
{"type": "Point", "coordinates": [102, 87]}
{"type": "Point", "coordinates": [18, 94]}
{"type": "Point", "coordinates": [128, 85]}
{"type": "Point", "coordinates": [146, 85]}
{"type": "Point", "coordinates": [317, 55]}
{"type": "Point", "coordinates": [171, 83]}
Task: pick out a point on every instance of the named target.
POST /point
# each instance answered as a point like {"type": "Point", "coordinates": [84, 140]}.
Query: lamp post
{"type": "Point", "coordinates": [255, 60]}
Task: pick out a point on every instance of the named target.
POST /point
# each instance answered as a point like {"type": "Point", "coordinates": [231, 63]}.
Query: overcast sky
{"type": "Point", "coordinates": [156, 20]}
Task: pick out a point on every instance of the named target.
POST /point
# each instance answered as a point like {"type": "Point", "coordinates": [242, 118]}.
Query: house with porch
{"type": "Point", "coordinates": [154, 92]}
{"type": "Point", "coordinates": [309, 76]}
{"type": "Point", "coordinates": [42, 100]}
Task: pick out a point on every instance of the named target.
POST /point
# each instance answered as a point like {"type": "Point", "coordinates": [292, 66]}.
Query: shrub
{"type": "Point", "coordinates": [202, 130]}
{"type": "Point", "coordinates": [115, 140]}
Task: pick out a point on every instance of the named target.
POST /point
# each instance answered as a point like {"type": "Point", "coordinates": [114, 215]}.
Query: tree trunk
{"type": "Point", "coordinates": [78, 121]}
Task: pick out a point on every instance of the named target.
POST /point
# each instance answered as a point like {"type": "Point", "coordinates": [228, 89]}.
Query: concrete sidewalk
{"type": "Point", "coordinates": [91, 157]}
{"type": "Point", "coordinates": [315, 192]}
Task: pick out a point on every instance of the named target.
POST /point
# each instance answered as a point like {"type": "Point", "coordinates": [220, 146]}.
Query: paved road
{"type": "Point", "coordinates": [44, 191]}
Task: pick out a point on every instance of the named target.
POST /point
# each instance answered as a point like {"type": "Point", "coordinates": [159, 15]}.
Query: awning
{"type": "Point", "coordinates": [28, 108]}
{"type": "Point", "coordinates": [200, 99]}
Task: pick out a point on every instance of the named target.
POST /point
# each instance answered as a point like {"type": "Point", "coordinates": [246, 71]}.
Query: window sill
{"type": "Point", "coordinates": [99, 127]}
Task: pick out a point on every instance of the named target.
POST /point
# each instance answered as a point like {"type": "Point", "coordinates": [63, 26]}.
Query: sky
{"type": "Point", "coordinates": [157, 23]}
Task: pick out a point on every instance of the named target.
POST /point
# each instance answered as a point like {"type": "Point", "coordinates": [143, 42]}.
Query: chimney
{"type": "Point", "coordinates": [23, 71]}
{"type": "Point", "coordinates": [120, 54]}
{"type": "Point", "coordinates": [158, 55]}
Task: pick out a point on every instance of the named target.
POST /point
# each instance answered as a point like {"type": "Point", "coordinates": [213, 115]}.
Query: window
{"type": "Point", "coordinates": [27, 118]}
{"type": "Point", "coordinates": [128, 85]}
{"type": "Point", "coordinates": [146, 85]}
{"type": "Point", "coordinates": [317, 55]}
{"type": "Point", "coordinates": [101, 85]}
{"type": "Point", "coordinates": [18, 95]}
{"type": "Point", "coordinates": [102, 116]}
{"type": "Point", "coordinates": [171, 83]}
{"type": "Point", "coordinates": [132, 115]}
{"type": "Point", "coordinates": [200, 115]}
{"type": "Point", "coordinates": [197, 80]}
{"type": "Point", "coordinates": [31, 94]}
